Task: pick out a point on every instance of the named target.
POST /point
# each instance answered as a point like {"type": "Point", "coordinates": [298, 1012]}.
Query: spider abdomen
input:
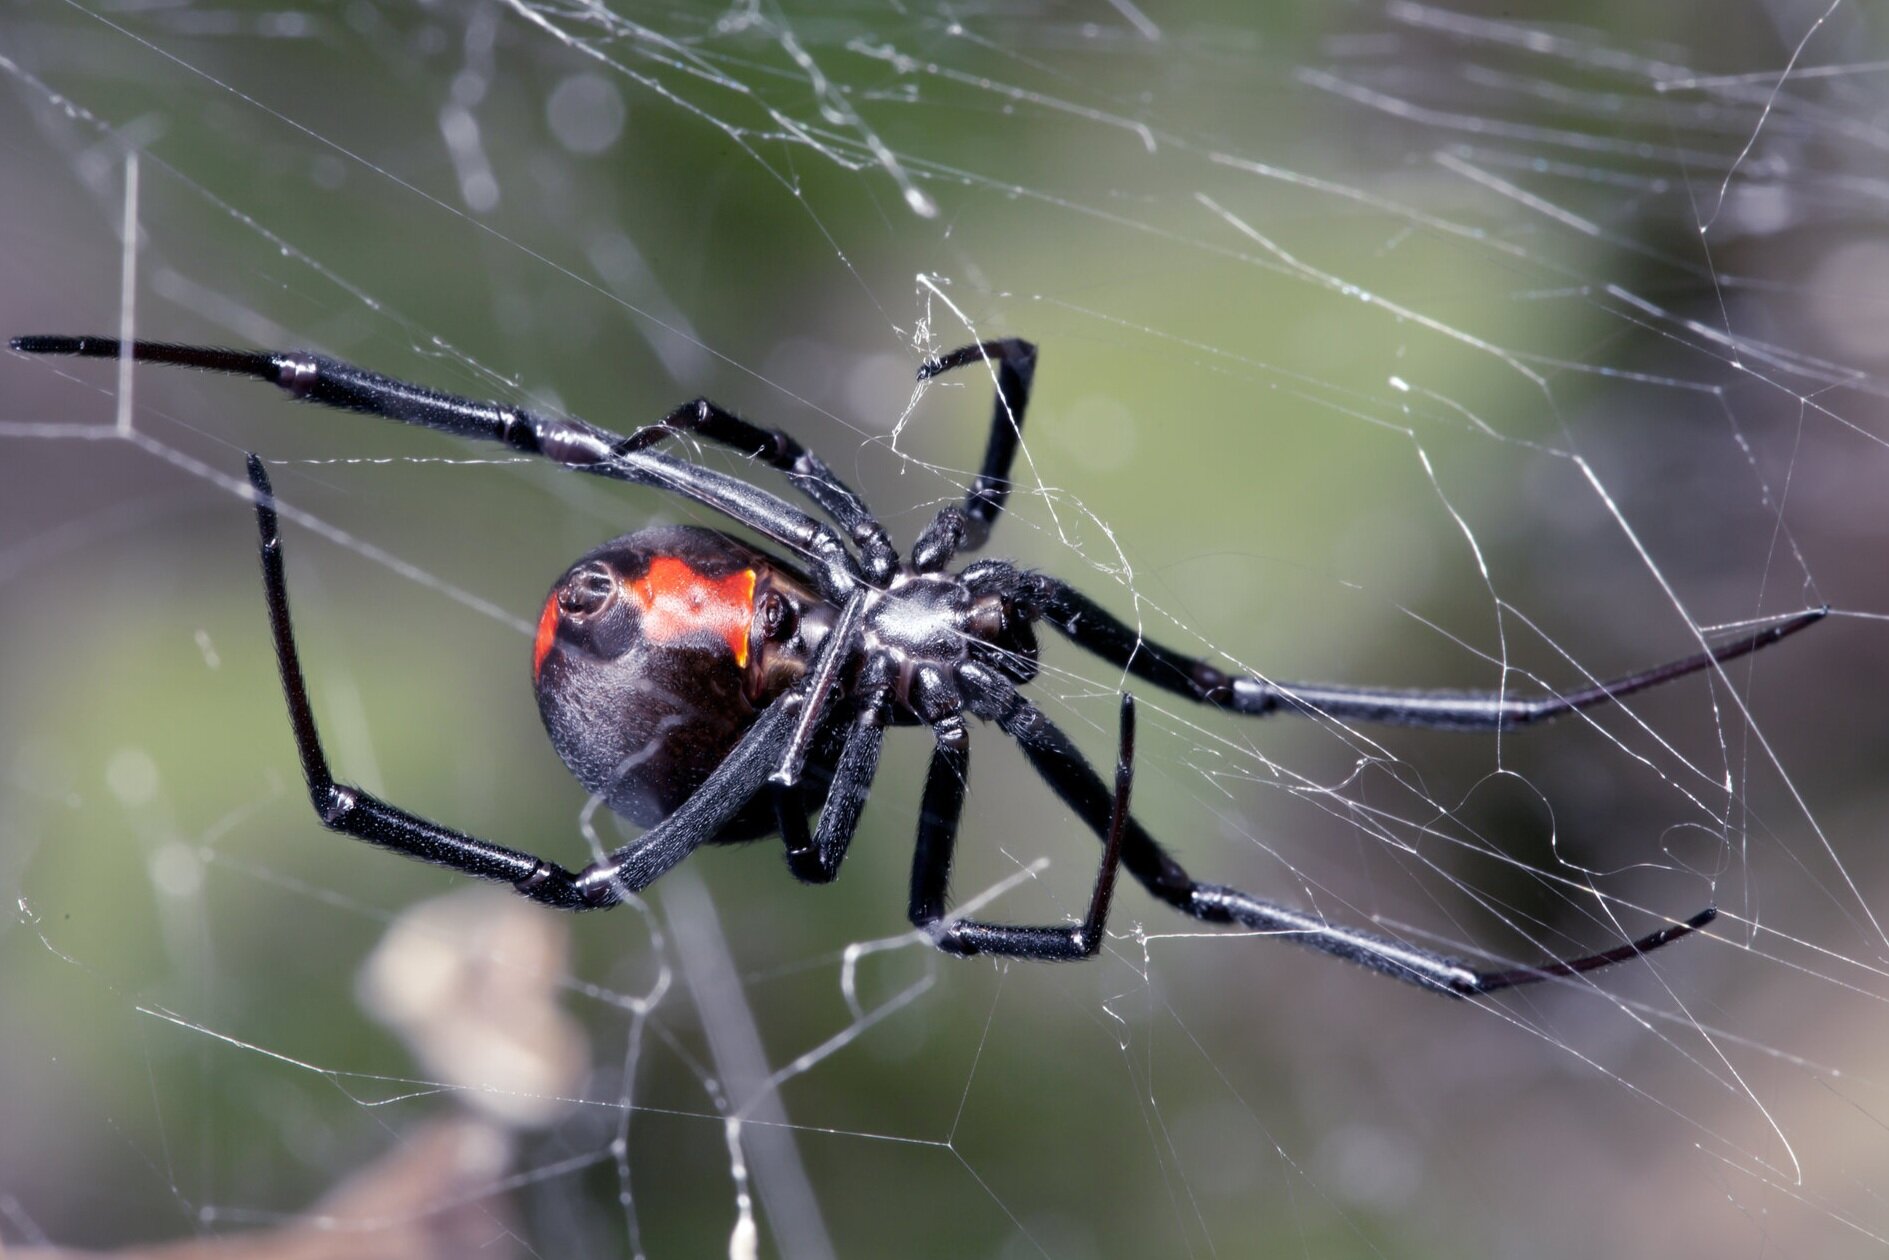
{"type": "Point", "coordinates": [654, 653]}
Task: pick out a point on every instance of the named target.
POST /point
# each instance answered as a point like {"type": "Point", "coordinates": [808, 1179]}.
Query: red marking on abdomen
{"type": "Point", "coordinates": [677, 601]}
{"type": "Point", "coordinates": [547, 634]}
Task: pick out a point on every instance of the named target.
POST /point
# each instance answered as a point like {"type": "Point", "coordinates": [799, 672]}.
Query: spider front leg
{"type": "Point", "coordinates": [1015, 362]}
{"type": "Point", "coordinates": [575, 444]}
{"type": "Point", "coordinates": [808, 472]}
{"type": "Point", "coordinates": [937, 835]}
{"type": "Point", "coordinates": [1071, 777]}
{"type": "Point", "coordinates": [347, 809]}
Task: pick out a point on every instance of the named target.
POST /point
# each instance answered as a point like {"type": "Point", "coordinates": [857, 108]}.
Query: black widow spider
{"type": "Point", "coordinates": [712, 693]}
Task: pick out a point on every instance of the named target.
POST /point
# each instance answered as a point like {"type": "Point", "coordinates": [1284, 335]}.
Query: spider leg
{"type": "Point", "coordinates": [347, 809]}
{"type": "Point", "coordinates": [937, 835]}
{"type": "Point", "coordinates": [730, 786]}
{"type": "Point", "coordinates": [819, 687]}
{"type": "Point", "coordinates": [942, 540]}
{"type": "Point", "coordinates": [806, 471]}
{"type": "Point", "coordinates": [816, 858]}
{"type": "Point", "coordinates": [1088, 625]}
{"type": "Point", "coordinates": [1015, 361]}
{"type": "Point", "coordinates": [574, 443]}
{"type": "Point", "coordinates": [1071, 777]}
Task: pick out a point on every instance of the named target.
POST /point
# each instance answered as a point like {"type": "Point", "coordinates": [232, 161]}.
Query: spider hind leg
{"type": "Point", "coordinates": [937, 835]}
{"type": "Point", "coordinates": [1061, 765]}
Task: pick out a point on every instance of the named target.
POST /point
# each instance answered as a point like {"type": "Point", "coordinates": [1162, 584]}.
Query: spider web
{"type": "Point", "coordinates": [1381, 343]}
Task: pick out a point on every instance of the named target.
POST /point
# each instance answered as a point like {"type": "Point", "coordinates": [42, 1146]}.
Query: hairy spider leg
{"type": "Point", "coordinates": [806, 471]}
{"type": "Point", "coordinates": [1088, 625]}
{"type": "Point", "coordinates": [1015, 362]}
{"type": "Point", "coordinates": [574, 443]}
{"type": "Point", "coordinates": [937, 837]}
{"type": "Point", "coordinates": [1069, 775]}
{"type": "Point", "coordinates": [351, 811]}
{"type": "Point", "coordinates": [816, 858]}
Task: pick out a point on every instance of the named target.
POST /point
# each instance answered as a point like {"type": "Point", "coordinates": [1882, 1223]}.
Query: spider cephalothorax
{"type": "Point", "coordinates": [709, 691]}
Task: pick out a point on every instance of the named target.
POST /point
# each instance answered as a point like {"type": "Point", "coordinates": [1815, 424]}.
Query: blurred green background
{"type": "Point", "coordinates": [1380, 343]}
